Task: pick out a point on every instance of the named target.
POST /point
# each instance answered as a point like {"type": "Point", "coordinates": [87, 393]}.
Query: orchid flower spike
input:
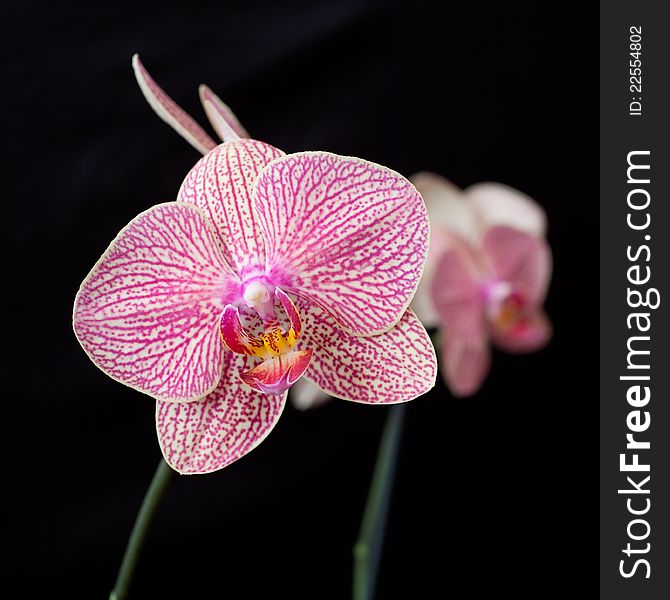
{"type": "Point", "coordinates": [486, 276]}
{"type": "Point", "coordinates": [268, 268]}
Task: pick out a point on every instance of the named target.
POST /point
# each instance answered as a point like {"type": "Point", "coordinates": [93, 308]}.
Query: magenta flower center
{"type": "Point", "coordinates": [282, 365]}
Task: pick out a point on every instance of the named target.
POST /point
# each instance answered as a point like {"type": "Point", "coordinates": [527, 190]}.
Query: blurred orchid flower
{"type": "Point", "coordinates": [268, 267]}
{"type": "Point", "coordinates": [485, 280]}
{"type": "Point", "coordinates": [486, 276]}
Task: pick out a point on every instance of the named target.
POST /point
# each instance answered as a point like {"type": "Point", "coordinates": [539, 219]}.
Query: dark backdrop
{"type": "Point", "coordinates": [496, 495]}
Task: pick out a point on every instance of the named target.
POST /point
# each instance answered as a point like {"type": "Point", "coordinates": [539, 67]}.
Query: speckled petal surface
{"type": "Point", "coordinates": [392, 367]}
{"type": "Point", "coordinates": [170, 112]}
{"type": "Point", "coordinates": [224, 121]}
{"type": "Point", "coordinates": [147, 314]}
{"type": "Point", "coordinates": [521, 259]}
{"type": "Point", "coordinates": [221, 184]}
{"type": "Point", "coordinates": [210, 433]}
{"type": "Point", "coordinates": [347, 234]}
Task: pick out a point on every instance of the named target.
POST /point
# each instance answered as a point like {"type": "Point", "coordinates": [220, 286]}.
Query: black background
{"type": "Point", "coordinates": [496, 495]}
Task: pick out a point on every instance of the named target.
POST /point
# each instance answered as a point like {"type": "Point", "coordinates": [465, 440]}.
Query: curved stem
{"type": "Point", "coordinates": [368, 547]}
{"type": "Point", "coordinates": [143, 522]}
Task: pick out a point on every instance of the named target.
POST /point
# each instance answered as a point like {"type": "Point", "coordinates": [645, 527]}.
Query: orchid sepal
{"type": "Point", "coordinates": [169, 111]}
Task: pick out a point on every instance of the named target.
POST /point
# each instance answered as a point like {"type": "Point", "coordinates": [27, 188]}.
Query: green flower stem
{"type": "Point", "coordinates": [143, 522]}
{"type": "Point", "coordinates": [368, 547]}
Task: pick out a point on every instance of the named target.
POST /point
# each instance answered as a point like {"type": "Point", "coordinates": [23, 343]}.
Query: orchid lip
{"type": "Point", "coordinates": [282, 365]}
{"type": "Point", "coordinates": [277, 374]}
{"type": "Point", "coordinates": [506, 307]}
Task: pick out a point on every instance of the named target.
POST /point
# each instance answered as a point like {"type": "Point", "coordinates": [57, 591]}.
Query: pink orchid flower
{"type": "Point", "coordinates": [267, 268]}
{"type": "Point", "coordinates": [486, 276]}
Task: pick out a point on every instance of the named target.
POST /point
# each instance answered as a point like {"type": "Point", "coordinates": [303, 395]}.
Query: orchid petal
{"type": "Point", "coordinates": [446, 204]}
{"type": "Point", "coordinates": [349, 235]}
{"type": "Point", "coordinates": [456, 297]}
{"type": "Point", "coordinates": [521, 259]}
{"type": "Point", "coordinates": [221, 184]}
{"type": "Point", "coordinates": [224, 121]}
{"type": "Point", "coordinates": [170, 112]}
{"type": "Point", "coordinates": [528, 335]}
{"type": "Point", "coordinates": [422, 303]}
{"type": "Point", "coordinates": [277, 374]}
{"type": "Point", "coordinates": [498, 204]}
{"type": "Point", "coordinates": [305, 395]}
{"type": "Point", "coordinates": [392, 367]}
{"type": "Point", "coordinates": [465, 362]}
{"type": "Point", "coordinates": [210, 433]}
{"type": "Point", "coordinates": [447, 211]}
{"type": "Point", "coordinates": [147, 312]}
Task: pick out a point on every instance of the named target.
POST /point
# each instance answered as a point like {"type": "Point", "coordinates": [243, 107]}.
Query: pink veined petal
{"type": "Point", "coordinates": [168, 110]}
{"type": "Point", "coordinates": [277, 374]}
{"type": "Point", "coordinates": [224, 121]}
{"type": "Point", "coordinates": [395, 366]}
{"type": "Point", "coordinates": [349, 235]}
{"type": "Point", "coordinates": [499, 204]}
{"type": "Point", "coordinates": [456, 277]}
{"type": "Point", "coordinates": [521, 259]}
{"type": "Point", "coordinates": [446, 204]}
{"type": "Point", "coordinates": [305, 395]}
{"type": "Point", "coordinates": [422, 303]}
{"type": "Point", "coordinates": [465, 363]}
{"type": "Point", "coordinates": [527, 336]}
{"type": "Point", "coordinates": [221, 184]}
{"type": "Point", "coordinates": [456, 297]}
{"type": "Point", "coordinates": [210, 433]}
{"type": "Point", "coordinates": [147, 313]}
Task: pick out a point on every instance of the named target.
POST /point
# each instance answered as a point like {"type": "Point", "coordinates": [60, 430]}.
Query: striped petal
{"type": "Point", "coordinates": [521, 259]}
{"type": "Point", "coordinates": [392, 367]}
{"type": "Point", "coordinates": [168, 110]}
{"type": "Point", "coordinates": [455, 291]}
{"type": "Point", "coordinates": [147, 313]}
{"type": "Point", "coordinates": [224, 121]}
{"type": "Point", "coordinates": [210, 433]}
{"type": "Point", "coordinates": [221, 184]}
{"type": "Point", "coordinates": [349, 235]}
{"type": "Point", "coordinates": [498, 204]}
